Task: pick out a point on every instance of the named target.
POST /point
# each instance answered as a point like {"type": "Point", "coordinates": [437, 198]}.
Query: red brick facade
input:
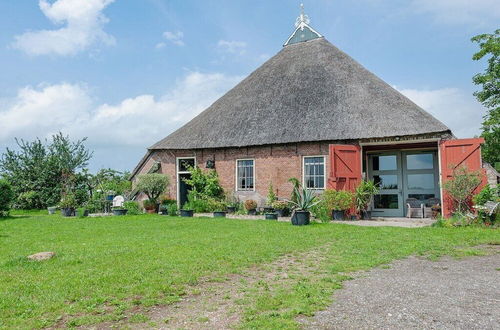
{"type": "Point", "coordinates": [272, 164]}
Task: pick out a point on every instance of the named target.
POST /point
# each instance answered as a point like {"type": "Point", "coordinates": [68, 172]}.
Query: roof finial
{"type": "Point", "coordinates": [303, 18]}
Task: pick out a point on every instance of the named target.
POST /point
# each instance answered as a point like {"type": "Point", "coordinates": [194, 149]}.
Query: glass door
{"type": "Point", "coordinates": [421, 175]}
{"type": "Point", "coordinates": [385, 171]}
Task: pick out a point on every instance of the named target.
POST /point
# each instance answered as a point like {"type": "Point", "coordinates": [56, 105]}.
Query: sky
{"type": "Point", "coordinates": [126, 73]}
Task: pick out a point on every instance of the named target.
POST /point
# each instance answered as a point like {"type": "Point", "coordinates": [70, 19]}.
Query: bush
{"type": "Point", "coordinates": [461, 187]}
{"type": "Point", "coordinates": [204, 184]}
{"type": "Point", "coordinates": [6, 197]}
{"type": "Point", "coordinates": [203, 204]}
{"type": "Point", "coordinates": [149, 204]}
{"type": "Point", "coordinates": [132, 207]}
{"type": "Point", "coordinates": [29, 200]}
{"type": "Point", "coordinates": [271, 195]}
{"type": "Point", "coordinates": [486, 194]}
{"type": "Point", "coordinates": [153, 185]}
{"type": "Point", "coordinates": [172, 209]}
{"type": "Point", "coordinates": [337, 200]}
{"type": "Point", "coordinates": [250, 204]}
{"type": "Point", "coordinates": [68, 201]}
{"type": "Point", "coordinates": [279, 205]}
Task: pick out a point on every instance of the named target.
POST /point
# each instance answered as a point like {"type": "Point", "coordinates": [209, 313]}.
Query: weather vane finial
{"type": "Point", "coordinates": [303, 18]}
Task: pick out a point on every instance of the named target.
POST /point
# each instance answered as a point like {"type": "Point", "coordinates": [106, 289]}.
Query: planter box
{"type": "Point", "coordinates": [231, 209]}
{"type": "Point", "coordinates": [120, 211]}
{"type": "Point", "coordinates": [301, 218]}
{"type": "Point", "coordinates": [187, 213]}
{"type": "Point", "coordinates": [282, 213]}
{"type": "Point", "coordinates": [268, 209]}
{"type": "Point", "coordinates": [338, 215]}
{"type": "Point", "coordinates": [252, 212]}
{"type": "Point", "coordinates": [271, 216]}
{"type": "Point", "coordinates": [68, 212]}
{"type": "Point", "coordinates": [220, 214]}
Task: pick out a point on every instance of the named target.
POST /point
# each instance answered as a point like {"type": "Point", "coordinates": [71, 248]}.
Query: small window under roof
{"type": "Point", "coordinates": [303, 32]}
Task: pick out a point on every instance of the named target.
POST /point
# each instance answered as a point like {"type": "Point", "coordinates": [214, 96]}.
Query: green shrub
{"type": "Point", "coordinates": [132, 207]}
{"type": "Point", "coordinates": [203, 204]}
{"type": "Point", "coordinates": [153, 185]}
{"type": "Point", "coordinates": [29, 200]}
{"type": "Point", "coordinates": [172, 209]}
{"type": "Point", "coordinates": [461, 187]}
{"type": "Point", "coordinates": [486, 194]}
{"type": "Point", "coordinates": [337, 200]}
{"type": "Point", "coordinates": [6, 197]}
{"type": "Point", "coordinates": [322, 211]}
{"type": "Point", "coordinates": [271, 195]}
{"type": "Point", "coordinates": [68, 201]}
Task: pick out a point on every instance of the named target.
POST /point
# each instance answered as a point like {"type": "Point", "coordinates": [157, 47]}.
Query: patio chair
{"type": "Point", "coordinates": [415, 208]}
{"type": "Point", "coordinates": [428, 206]}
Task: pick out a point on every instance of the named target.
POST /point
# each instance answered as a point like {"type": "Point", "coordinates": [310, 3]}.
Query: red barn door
{"type": "Point", "coordinates": [456, 153]}
{"type": "Point", "coordinates": [345, 167]}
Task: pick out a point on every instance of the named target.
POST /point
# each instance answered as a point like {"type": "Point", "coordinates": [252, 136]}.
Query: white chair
{"type": "Point", "coordinates": [118, 201]}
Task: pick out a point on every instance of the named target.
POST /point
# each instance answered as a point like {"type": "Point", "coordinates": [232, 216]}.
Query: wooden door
{"type": "Point", "coordinates": [345, 167]}
{"type": "Point", "coordinates": [457, 153]}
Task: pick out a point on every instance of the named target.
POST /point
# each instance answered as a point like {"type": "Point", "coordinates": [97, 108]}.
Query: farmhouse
{"type": "Point", "coordinates": [314, 113]}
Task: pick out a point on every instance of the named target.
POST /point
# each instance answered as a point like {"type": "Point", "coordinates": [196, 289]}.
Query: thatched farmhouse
{"type": "Point", "coordinates": [314, 113]}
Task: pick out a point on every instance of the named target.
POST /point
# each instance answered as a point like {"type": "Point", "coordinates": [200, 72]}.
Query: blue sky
{"type": "Point", "coordinates": [126, 73]}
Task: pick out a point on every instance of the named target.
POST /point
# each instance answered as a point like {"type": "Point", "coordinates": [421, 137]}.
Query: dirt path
{"type": "Point", "coordinates": [416, 293]}
{"type": "Point", "coordinates": [218, 305]}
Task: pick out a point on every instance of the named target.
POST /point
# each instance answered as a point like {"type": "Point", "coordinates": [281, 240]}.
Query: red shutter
{"type": "Point", "coordinates": [456, 153]}
{"type": "Point", "coordinates": [345, 167]}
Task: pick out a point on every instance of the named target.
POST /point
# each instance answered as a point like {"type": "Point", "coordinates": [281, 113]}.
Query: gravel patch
{"type": "Point", "coordinates": [417, 293]}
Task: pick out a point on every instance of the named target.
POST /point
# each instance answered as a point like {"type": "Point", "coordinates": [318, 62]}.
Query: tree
{"type": "Point", "coordinates": [489, 96]}
{"type": "Point", "coordinates": [40, 172]}
{"type": "Point", "coordinates": [6, 197]}
{"type": "Point", "coordinates": [153, 185]}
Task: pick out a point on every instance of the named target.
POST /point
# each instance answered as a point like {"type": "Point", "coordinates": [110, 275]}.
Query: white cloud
{"type": "Point", "coordinates": [233, 47]}
{"type": "Point", "coordinates": [477, 12]}
{"type": "Point", "coordinates": [84, 22]}
{"type": "Point", "coordinates": [139, 121]}
{"type": "Point", "coordinates": [174, 37]}
{"type": "Point", "coordinates": [455, 108]}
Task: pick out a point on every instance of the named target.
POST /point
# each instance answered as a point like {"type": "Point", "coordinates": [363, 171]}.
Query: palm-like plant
{"type": "Point", "coordinates": [305, 199]}
{"type": "Point", "coordinates": [363, 195]}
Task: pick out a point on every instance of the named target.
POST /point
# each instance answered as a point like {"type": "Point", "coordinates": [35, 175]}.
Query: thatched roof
{"type": "Point", "coordinates": [309, 91]}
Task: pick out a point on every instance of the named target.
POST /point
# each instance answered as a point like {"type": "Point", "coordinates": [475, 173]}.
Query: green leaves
{"type": "Point", "coordinates": [489, 96]}
{"type": "Point", "coordinates": [153, 185]}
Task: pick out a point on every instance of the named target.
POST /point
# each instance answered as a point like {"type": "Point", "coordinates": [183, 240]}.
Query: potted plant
{"type": "Point", "coordinates": [271, 198]}
{"type": "Point", "coordinates": [363, 197]}
{"type": "Point", "coordinates": [271, 216]}
{"type": "Point", "coordinates": [172, 210]}
{"type": "Point", "coordinates": [251, 206]}
{"type": "Point", "coordinates": [220, 210]}
{"type": "Point", "coordinates": [338, 202]}
{"type": "Point", "coordinates": [68, 204]}
{"type": "Point", "coordinates": [117, 210]}
{"type": "Point", "coordinates": [280, 207]}
{"type": "Point", "coordinates": [150, 206]}
{"type": "Point", "coordinates": [82, 212]}
{"type": "Point", "coordinates": [305, 201]}
{"type": "Point", "coordinates": [187, 213]}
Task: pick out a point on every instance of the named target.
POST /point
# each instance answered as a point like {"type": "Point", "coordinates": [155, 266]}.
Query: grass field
{"type": "Point", "coordinates": [107, 267]}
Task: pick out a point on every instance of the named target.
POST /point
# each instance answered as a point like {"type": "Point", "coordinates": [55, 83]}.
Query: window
{"type": "Point", "coordinates": [420, 161]}
{"type": "Point", "coordinates": [314, 172]}
{"type": "Point", "coordinates": [245, 174]}
{"type": "Point", "coordinates": [184, 164]}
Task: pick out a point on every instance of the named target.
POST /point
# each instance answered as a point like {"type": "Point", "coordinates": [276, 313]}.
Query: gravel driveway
{"type": "Point", "coordinates": [416, 293]}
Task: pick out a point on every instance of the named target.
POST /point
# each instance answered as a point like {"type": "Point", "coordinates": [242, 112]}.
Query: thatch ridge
{"type": "Point", "coordinates": [309, 91]}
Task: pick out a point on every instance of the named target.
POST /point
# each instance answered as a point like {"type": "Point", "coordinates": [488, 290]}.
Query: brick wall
{"type": "Point", "coordinates": [274, 164]}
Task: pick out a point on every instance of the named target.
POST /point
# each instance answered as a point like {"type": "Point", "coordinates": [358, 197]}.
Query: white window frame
{"type": "Point", "coordinates": [177, 176]}
{"type": "Point", "coordinates": [304, 171]}
{"type": "Point", "coordinates": [236, 175]}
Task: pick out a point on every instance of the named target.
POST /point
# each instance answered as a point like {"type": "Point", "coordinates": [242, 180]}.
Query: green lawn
{"type": "Point", "coordinates": [106, 266]}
